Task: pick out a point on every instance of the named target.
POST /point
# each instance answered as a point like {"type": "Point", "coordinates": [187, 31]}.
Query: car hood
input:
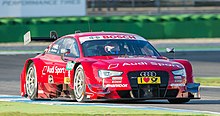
{"type": "Point", "coordinates": [134, 63]}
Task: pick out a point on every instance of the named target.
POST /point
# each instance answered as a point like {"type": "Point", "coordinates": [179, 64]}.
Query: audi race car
{"type": "Point", "coordinates": [108, 66]}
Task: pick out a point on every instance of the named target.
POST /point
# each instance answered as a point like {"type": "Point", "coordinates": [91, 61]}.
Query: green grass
{"type": "Point", "coordinates": [27, 109]}
{"type": "Point", "coordinates": [208, 81]}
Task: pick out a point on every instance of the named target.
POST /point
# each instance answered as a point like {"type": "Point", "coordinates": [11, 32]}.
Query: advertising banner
{"type": "Point", "coordinates": [42, 8]}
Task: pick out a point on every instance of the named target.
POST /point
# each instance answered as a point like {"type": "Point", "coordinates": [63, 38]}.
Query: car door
{"type": "Point", "coordinates": [63, 75]}
{"type": "Point", "coordinates": [49, 74]}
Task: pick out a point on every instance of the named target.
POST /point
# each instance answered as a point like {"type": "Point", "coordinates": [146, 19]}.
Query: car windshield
{"type": "Point", "coordinates": [110, 47]}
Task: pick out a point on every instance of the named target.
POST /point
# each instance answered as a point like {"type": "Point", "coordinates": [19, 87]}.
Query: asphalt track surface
{"type": "Point", "coordinates": [205, 64]}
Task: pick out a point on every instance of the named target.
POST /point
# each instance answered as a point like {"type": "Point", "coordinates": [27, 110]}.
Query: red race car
{"type": "Point", "coordinates": [106, 65]}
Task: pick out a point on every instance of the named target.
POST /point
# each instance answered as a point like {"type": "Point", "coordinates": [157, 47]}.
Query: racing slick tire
{"type": "Point", "coordinates": [79, 84]}
{"type": "Point", "coordinates": [31, 82]}
{"type": "Point", "coordinates": [178, 100]}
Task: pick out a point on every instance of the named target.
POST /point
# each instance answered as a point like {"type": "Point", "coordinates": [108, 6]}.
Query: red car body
{"type": "Point", "coordinates": [135, 77]}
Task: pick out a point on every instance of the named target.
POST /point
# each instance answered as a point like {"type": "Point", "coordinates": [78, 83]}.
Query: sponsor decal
{"type": "Point", "coordinates": [50, 79]}
{"type": "Point", "coordinates": [116, 81]}
{"type": "Point", "coordinates": [53, 50]}
{"type": "Point", "coordinates": [94, 37]}
{"type": "Point", "coordinates": [44, 70]}
{"type": "Point", "coordinates": [149, 80]}
{"type": "Point", "coordinates": [53, 69]}
{"type": "Point", "coordinates": [88, 96]}
{"type": "Point", "coordinates": [91, 37]}
{"type": "Point", "coordinates": [144, 64]}
{"type": "Point", "coordinates": [116, 78]}
{"type": "Point", "coordinates": [117, 85]}
{"type": "Point", "coordinates": [111, 66]}
{"type": "Point", "coordinates": [70, 65]}
{"type": "Point", "coordinates": [164, 64]}
{"type": "Point", "coordinates": [118, 37]}
{"type": "Point", "coordinates": [66, 80]}
{"type": "Point", "coordinates": [135, 64]}
{"type": "Point", "coordinates": [40, 91]}
{"type": "Point", "coordinates": [133, 37]}
{"type": "Point", "coordinates": [178, 77]}
{"type": "Point", "coordinates": [177, 85]}
{"type": "Point", "coordinates": [148, 74]}
{"type": "Point", "coordinates": [177, 81]}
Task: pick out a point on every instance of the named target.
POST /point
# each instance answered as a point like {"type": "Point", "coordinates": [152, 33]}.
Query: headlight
{"type": "Point", "coordinates": [180, 72]}
{"type": "Point", "coordinates": [109, 73]}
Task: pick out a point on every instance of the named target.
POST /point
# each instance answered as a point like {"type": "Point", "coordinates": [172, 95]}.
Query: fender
{"type": "Point", "coordinates": [188, 67]}
{"type": "Point", "coordinates": [93, 85]}
{"type": "Point", "coordinates": [23, 75]}
{"type": "Point", "coordinates": [89, 73]}
{"type": "Point", "coordinates": [37, 63]}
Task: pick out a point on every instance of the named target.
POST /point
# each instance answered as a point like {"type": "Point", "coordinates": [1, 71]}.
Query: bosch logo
{"type": "Point", "coordinates": [148, 74]}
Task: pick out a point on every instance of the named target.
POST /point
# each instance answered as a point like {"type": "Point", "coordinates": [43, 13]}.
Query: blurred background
{"type": "Point", "coordinates": [151, 7]}
{"type": "Point", "coordinates": [152, 19]}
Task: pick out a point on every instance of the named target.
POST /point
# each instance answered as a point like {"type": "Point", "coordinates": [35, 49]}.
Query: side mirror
{"type": "Point", "coordinates": [171, 50]}
{"type": "Point", "coordinates": [63, 52]}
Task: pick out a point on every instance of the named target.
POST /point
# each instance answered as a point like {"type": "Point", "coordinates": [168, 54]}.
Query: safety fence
{"type": "Point", "coordinates": [150, 27]}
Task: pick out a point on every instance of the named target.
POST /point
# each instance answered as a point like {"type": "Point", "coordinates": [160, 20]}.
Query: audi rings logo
{"type": "Point", "coordinates": [148, 74]}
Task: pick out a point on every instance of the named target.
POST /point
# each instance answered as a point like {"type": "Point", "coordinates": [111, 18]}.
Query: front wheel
{"type": "Point", "coordinates": [79, 84]}
{"type": "Point", "coordinates": [178, 100]}
{"type": "Point", "coordinates": [31, 82]}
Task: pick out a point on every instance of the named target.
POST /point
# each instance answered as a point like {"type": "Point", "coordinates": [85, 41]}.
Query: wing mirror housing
{"type": "Point", "coordinates": [63, 53]}
{"type": "Point", "coordinates": [171, 50]}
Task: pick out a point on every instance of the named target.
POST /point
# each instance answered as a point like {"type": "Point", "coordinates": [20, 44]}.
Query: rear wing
{"type": "Point", "coordinates": [27, 37]}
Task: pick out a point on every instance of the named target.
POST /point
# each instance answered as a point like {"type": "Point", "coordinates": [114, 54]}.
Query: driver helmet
{"type": "Point", "coordinates": [112, 48]}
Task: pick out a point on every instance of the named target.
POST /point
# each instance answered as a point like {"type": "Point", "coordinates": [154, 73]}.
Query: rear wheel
{"type": "Point", "coordinates": [178, 100]}
{"type": "Point", "coordinates": [79, 84]}
{"type": "Point", "coordinates": [31, 82]}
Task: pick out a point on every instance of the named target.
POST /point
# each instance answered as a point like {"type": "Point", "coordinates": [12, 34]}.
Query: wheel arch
{"type": "Point", "coordinates": [89, 74]}
{"type": "Point", "coordinates": [23, 75]}
{"type": "Point", "coordinates": [28, 64]}
{"type": "Point", "coordinates": [76, 65]}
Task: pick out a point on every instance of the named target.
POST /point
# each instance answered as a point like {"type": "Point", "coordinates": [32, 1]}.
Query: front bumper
{"type": "Point", "coordinates": [165, 90]}
{"type": "Point", "coordinates": [149, 92]}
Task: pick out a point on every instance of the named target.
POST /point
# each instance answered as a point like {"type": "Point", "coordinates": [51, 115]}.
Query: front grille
{"type": "Point", "coordinates": [149, 90]}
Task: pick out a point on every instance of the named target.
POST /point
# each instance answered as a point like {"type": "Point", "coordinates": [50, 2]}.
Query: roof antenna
{"type": "Point", "coordinates": [89, 26]}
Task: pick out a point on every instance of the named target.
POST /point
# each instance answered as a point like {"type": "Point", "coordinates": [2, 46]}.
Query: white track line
{"type": "Point", "coordinates": [11, 98]}
{"type": "Point", "coordinates": [217, 87]}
